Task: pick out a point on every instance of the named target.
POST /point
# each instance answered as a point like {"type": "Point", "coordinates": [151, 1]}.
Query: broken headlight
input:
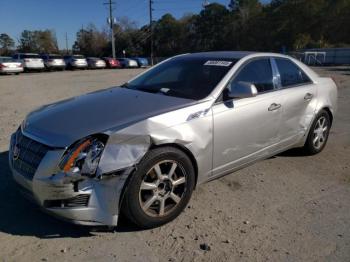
{"type": "Point", "coordinates": [83, 157]}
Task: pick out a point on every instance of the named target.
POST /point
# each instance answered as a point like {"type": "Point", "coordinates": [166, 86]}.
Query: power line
{"type": "Point", "coordinates": [151, 27]}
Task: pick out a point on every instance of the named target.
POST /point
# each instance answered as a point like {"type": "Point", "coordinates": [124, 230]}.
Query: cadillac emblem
{"type": "Point", "coordinates": [15, 153]}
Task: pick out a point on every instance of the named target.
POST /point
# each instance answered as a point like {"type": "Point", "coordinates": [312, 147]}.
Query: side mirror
{"type": "Point", "coordinates": [242, 90]}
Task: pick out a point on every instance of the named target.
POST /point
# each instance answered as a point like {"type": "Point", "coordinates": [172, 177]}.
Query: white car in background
{"type": "Point", "coordinates": [75, 61]}
{"type": "Point", "coordinates": [30, 61]}
{"type": "Point", "coordinates": [53, 62]}
{"type": "Point", "coordinates": [95, 63]}
{"type": "Point", "coordinates": [127, 62]}
{"type": "Point", "coordinates": [9, 66]}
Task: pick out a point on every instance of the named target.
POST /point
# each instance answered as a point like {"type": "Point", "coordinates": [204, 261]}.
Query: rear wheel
{"type": "Point", "coordinates": [318, 134]}
{"type": "Point", "coordinates": [160, 188]}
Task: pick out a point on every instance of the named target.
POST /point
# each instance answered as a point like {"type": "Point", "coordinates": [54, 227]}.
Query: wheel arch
{"type": "Point", "coordinates": [184, 150]}
{"type": "Point", "coordinates": [328, 110]}
{"type": "Point", "coordinates": [153, 146]}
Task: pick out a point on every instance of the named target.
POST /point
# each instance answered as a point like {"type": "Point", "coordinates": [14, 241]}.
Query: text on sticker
{"type": "Point", "coordinates": [218, 63]}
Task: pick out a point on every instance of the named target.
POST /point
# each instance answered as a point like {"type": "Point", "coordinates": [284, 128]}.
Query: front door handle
{"type": "Point", "coordinates": [274, 106]}
{"type": "Point", "coordinates": [308, 96]}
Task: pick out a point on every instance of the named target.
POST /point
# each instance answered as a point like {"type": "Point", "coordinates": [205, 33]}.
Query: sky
{"type": "Point", "coordinates": [68, 16]}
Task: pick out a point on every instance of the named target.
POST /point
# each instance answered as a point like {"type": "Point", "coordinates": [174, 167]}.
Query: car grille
{"type": "Point", "coordinates": [28, 155]}
{"type": "Point", "coordinates": [77, 201]}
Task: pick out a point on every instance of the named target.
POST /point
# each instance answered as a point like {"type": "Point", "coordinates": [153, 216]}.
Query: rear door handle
{"type": "Point", "coordinates": [274, 106]}
{"type": "Point", "coordinates": [308, 96]}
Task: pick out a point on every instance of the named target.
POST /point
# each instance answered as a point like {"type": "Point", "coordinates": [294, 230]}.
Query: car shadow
{"type": "Point", "coordinates": [294, 152]}
{"type": "Point", "coordinates": [23, 218]}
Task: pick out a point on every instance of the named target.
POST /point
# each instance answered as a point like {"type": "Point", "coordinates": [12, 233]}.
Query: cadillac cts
{"type": "Point", "coordinates": [142, 148]}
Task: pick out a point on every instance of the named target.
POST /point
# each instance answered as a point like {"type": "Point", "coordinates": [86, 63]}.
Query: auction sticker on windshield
{"type": "Point", "coordinates": [218, 63]}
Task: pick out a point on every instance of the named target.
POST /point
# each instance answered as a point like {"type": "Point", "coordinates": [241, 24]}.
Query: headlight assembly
{"type": "Point", "coordinates": [83, 158]}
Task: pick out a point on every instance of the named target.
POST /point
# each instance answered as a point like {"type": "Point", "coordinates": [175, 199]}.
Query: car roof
{"type": "Point", "coordinates": [221, 54]}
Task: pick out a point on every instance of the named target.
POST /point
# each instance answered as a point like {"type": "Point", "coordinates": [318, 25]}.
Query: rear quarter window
{"type": "Point", "coordinates": [291, 74]}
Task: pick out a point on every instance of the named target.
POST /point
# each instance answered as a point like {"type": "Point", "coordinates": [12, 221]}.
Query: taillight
{"type": "Point", "coordinates": [1, 66]}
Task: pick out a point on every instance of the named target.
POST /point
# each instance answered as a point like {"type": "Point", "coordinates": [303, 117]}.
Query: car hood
{"type": "Point", "coordinates": [62, 123]}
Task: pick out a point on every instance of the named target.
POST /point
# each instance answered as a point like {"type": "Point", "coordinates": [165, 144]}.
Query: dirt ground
{"type": "Point", "coordinates": [286, 208]}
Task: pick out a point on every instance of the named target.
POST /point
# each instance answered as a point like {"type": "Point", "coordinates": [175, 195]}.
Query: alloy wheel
{"type": "Point", "coordinates": [320, 132]}
{"type": "Point", "coordinates": [162, 188]}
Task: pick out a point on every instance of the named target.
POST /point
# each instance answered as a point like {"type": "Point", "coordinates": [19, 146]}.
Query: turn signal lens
{"type": "Point", "coordinates": [71, 160]}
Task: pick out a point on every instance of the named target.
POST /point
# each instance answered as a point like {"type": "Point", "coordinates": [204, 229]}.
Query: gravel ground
{"type": "Point", "coordinates": [286, 208]}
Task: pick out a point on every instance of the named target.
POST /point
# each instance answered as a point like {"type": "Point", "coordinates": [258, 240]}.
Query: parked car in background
{"type": "Point", "coordinates": [111, 62]}
{"type": "Point", "coordinates": [75, 61]}
{"type": "Point", "coordinates": [95, 63]}
{"type": "Point", "coordinates": [142, 148]}
{"type": "Point", "coordinates": [30, 61]}
{"type": "Point", "coordinates": [127, 62]}
{"type": "Point", "coordinates": [10, 66]}
{"type": "Point", "coordinates": [141, 61]}
{"type": "Point", "coordinates": [53, 62]}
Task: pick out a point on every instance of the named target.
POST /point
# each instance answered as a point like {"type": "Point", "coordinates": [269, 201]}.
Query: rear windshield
{"type": "Point", "coordinates": [55, 57]}
{"type": "Point", "coordinates": [30, 56]}
{"type": "Point", "coordinates": [6, 59]}
{"type": "Point", "coordinates": [78, 56]}
{"type": "Point", "coordinates": [186, 77]}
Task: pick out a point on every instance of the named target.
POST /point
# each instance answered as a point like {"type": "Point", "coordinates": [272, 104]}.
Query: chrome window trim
{"type": "Point", "coordinates": [219, 99]}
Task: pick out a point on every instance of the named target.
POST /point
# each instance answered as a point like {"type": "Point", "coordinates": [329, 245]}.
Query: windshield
{"type": "Point", "coordinates": [55, 57]}
{"type": "Point", "coordinates": [186, 77]}
{"type": "Point", "coordinates": [6, 59]}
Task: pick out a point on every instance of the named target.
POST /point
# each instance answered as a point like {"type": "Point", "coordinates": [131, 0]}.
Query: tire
{"type": "Point", "coordinates": [175, 193]}
{"type": "Point", "coordinates": [311, 147]}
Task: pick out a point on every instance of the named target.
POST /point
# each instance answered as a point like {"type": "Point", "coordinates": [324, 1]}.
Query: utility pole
{"type": "Point", "coordinates": [66, 43]}
{"type": "Point", "coordinates": [111, 24]}
{"type": "Point", "coordinates": [151, 27]}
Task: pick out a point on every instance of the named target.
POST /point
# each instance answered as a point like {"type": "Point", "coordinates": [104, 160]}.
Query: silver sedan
{"type": "Point", "coordinates": [142, 148]}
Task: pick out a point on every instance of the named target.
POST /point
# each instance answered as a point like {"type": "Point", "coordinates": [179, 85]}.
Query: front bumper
{"type": "Point", "coordinates": [97, 65]}
{"type": "Point", "coordinates": [89, 201]}
{"type": "Point", "coordinates": [79, 65]}
{"type": "Point", "coordinates": [11, 70]}
{"type": "Point", "coordinates": [33, 66]}
{"type": "Point", "coordinates": [55, 65]}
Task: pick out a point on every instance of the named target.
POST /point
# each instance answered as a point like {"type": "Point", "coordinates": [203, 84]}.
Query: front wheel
{"type": "Point", "coordinates": [160, 188]}
{"type": "Point", "coordinates": [318, 134]}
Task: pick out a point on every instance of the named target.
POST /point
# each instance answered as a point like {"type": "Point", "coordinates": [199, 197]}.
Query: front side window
{"type": "Point", "coordinates": [185, 77]}
{"type": "Point", "coordinates": [290, 73]}
{"type": "Point", "coordinates": [257, 72]}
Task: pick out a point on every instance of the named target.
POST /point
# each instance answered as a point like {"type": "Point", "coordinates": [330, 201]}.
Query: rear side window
{"type": "Point", "coordinates": [259, 73]}
{"type": "Point", "coordinates": [290, 73]}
